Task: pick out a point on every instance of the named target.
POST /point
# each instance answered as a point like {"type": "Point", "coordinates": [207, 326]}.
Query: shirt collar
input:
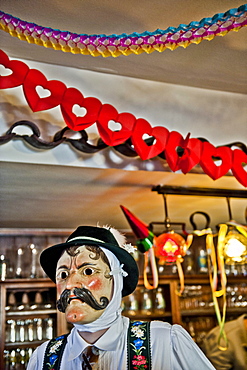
{"type": "Point", "coordinates": [107, 342]}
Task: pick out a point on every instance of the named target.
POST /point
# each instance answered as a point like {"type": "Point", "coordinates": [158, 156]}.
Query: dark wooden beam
{"type": "Point", "coordinates": [206, 192]}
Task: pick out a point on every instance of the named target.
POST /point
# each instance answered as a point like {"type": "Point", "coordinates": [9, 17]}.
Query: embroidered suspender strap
{"type": "Point", "coordinates": [54, 353]}
{"type": "Point", "coordinates": [138, 346]}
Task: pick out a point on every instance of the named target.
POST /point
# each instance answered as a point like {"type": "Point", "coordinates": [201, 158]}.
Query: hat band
{"type": "Point", "coordinates": [85, 237]}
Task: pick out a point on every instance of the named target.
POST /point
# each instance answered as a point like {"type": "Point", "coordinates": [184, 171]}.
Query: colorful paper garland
{"type": "Point", "coordinates": [135, 43]}
{"type": "Point", "coordinates": [194, 150]}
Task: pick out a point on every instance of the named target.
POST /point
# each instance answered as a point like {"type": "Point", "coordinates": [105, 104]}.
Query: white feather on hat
{"type": "Point", "coordinates": [121, 239]}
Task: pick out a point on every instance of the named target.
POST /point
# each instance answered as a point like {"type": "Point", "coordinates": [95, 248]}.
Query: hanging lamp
{"type": "Point", "coordinates": [235, 240]}
{"type": "Point", "coordinates": [171, 247]}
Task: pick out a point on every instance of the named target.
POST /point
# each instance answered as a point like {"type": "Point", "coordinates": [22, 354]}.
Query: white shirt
{"type": "Point", "coordinates": [172, 349]}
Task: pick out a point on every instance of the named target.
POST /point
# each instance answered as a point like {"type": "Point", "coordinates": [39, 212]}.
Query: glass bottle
{"type": "Point", "coordinates": [22, 359]}
{"type": "Point", "coordinates": [34, 253]}
{"type": "Point", "coordinates": [147, 303]}
{"type": "Point", "coordinates": [8, 331]}
{"type": "Point", "coordinates": [3, 267]}
{"type": "Point", "coordinates": [48, 329]}
{"type": "Point", "coordinates": [11, 302]}
{"type": "Point", "coordinates": [20, 331]}
{"type": "Point", "coordinates": [133, 304]}
{"type": "Point", "coordinates": [25, 301]}
{"type": "Point", "coordinates": [189, 263]}
{"type": "Point", "coordinates": [202, 261]}
{"type": "Point", "coordinates": [23, 304]}
{"type": "Point", "coordinates": [28, 354]}
{"type": "Point", "coordinates": [30, 330]}
{"type": "Point", "coordinates": [13, 359]}
{"type": "Point", "coordinates": [192, 330]}
{"type": "Point", "coordinates": [46, 296]}
{"type": "Point", "coordinates": [6, 359]}
{"type": "Point", "coordinates": [11, 331]}
{"type": "Point", "coordinates": [174, 269]}
{"type": "Point", "coordinates": [159, 303]}
{"type": "Point", "coordinates": [38, 302]}
{"type": "Point", "coordinates": [38, 328]}
{"type": "Point", "coordinates": [18, 271]}
{"type": "Point", "coordinates": [233, 269]}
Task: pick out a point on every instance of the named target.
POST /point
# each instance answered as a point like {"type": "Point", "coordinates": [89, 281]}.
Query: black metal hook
{"type": "Point", "coordinates": [203, 214]}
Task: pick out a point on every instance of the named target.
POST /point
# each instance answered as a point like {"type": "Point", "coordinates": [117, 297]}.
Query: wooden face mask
{"type": "Point", "coordinates": [83, 284]}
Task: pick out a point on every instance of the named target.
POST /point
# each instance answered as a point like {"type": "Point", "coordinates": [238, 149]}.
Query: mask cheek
{"type": "Point", "coordinates": [100, 286]}
{"type": "Point", "coordinates": [60, 288]}
{"type": "Point", "coordinates": [95, 284]}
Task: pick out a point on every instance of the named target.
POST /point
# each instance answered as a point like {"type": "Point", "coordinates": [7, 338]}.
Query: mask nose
{"type": "Point", "coordinates": [73, 281]}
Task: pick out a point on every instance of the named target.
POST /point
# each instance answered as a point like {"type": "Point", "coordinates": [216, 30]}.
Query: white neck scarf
{"type": "Point", "coordinates": [113, 310]}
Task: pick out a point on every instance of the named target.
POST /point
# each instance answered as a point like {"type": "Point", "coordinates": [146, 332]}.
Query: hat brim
{"type": "Point", "coordinates": [50, 256]}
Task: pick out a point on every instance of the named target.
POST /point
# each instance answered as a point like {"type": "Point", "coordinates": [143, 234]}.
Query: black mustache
{"type": "Point", "coordinates": [84, 295]}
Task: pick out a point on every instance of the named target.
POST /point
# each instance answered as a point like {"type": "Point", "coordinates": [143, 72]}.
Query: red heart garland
{"type": "Point", "coordinates": [73, 97]}
{"type": "Point", "coordinates": [239, 157]}
{"type": "Point", "coordinates": [207, 163]}
{"type": "Point", "coordinates": [126, 120]}
{"type": "Point", "coordinates": [175, 139]}
{"type": "Point", "coordinates": [159, 133]}
{"type": "Point", "coordinates": [191, 155]}
{"type": "Point", "coordinates": [31, 79]}
{"type": "Point", "coordinates": [19, 72]}
{"type": "Point", "coordinates": [34, 79]}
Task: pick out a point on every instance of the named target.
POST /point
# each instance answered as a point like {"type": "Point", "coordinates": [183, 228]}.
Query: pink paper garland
{"type": "Point", "coordinates": [195, 151]}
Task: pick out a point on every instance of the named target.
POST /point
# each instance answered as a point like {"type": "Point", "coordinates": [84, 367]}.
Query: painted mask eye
{"type": "Point", "coordinates": [88, 271]}
{"type": "Point", "coordinates": [62, 275]}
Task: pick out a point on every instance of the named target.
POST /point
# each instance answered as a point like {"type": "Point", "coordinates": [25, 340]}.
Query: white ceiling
{"type": "Point", "coordinates": [35, 196]}
{"type": "Point", "coordinates": [220, 64]}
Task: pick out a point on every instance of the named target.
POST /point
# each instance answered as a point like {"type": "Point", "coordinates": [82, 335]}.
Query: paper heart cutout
{"type": "Point", "coordinates": [35, 78]}
{"type": "Point", "coordinates": [175, 139]}
{"type": "Point", "coordinates": [209, 167]}
{"type": "Point", "coordinates": [126, 120]}
{"type": "Point", "coordinates": [144, 150]}
{"type": "Point", "coordinates": [19, 72]}
{"type": "Point", "coordinates": [74, 97]}
{"type": "Point", "coordinates": [191, 156]}
{"type": "Point", "coordinates": [239, 157]}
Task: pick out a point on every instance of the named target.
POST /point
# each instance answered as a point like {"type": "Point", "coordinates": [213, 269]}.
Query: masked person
{"type": "Point", "coordinates": [93, 270]}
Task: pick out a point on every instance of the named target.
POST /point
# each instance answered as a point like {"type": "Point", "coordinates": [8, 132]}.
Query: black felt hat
{"type": "Point", "coordinates": [91, 235]}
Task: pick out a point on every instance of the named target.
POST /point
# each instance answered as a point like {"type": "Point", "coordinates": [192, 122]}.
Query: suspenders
{"type": "Point", "coordinates": [54, 352]}
{"type": "Point", "coordinates": [138, 345]}
{"type": "Point", "coordinates": [138, 348]}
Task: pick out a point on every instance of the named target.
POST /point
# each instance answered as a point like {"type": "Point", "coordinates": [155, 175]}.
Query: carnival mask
{"type": "Point", "coordinates": [84, 284]}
